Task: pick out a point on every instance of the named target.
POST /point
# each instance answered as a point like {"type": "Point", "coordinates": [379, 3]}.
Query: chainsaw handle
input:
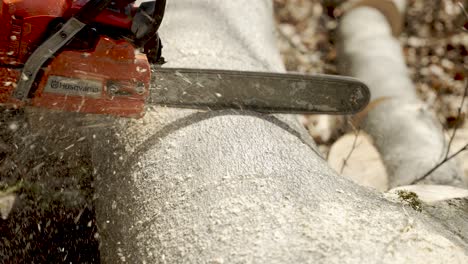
{"type": "Point", "coordinates": [91, 10]}
{"type": "Point", "coordinates": [157, 17]}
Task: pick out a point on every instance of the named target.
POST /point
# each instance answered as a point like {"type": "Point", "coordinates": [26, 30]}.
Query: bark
{"type": "Point", "coordinates": [234, 186]}
{"type": "Point", "coordinates": [405, 131]}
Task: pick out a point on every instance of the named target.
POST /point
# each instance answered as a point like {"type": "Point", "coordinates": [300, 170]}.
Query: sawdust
{"type": "Point", "coordinates": [199, 201]}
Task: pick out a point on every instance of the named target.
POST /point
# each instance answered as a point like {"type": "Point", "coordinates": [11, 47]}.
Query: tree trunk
{"type": "Point", "coordinates": [405, 131]}
{"type": "Point", "coordinates": [235, 186]}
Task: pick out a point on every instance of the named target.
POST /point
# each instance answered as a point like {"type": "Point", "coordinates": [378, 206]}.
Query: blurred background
{"type": "Point", "coordinates": [434, 41]}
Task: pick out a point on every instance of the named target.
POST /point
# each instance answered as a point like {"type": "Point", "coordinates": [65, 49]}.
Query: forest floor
{"type": "Point", "coordinates": [434, 43]}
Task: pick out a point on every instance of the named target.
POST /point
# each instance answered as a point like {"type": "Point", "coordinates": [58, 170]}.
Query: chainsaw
{"type": "Point", "coordinates": [104, 57]}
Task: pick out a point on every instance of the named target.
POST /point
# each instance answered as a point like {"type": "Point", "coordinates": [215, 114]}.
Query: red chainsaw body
{"type": "Point", "coordinates": [69, 81]}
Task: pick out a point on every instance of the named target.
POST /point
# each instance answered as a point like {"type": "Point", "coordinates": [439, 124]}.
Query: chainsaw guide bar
{"type": "Point", "coordinates": [257, 91]}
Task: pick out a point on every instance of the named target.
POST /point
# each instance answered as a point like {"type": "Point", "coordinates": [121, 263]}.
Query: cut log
{"type": "Point", "coordinates": [355, 157]}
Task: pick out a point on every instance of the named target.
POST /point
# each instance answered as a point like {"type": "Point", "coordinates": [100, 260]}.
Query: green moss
{"type": "Point", "coordinates": [7, 189]}
{"type": "Point", "coordinates": [411, 199]}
